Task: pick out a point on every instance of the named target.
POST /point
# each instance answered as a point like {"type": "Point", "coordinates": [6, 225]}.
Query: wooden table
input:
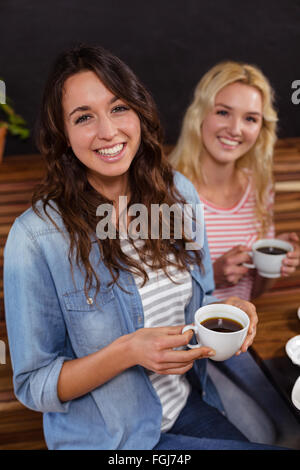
{"type": "Point", "coordinates": [278, 322]}
{"type": "Point", "coordinates": [277, 309]}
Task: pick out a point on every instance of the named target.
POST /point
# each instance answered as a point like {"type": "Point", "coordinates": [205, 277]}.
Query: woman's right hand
{"type": "Point", "coordinates": [153, 348]}
{"type": "Point", "coordinates": [228, 268]}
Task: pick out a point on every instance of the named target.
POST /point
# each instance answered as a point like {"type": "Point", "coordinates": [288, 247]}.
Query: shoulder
{"type": "Point", "coordinates": [268, 189]}
{"type": "Point", "coordinates": [185, 187]}
{"type": "Point", "coordinates": [35, 223]}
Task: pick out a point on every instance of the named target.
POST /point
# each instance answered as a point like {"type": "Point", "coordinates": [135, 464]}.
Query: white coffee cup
{"type": "Point", "coordinates": [225, 344]}
{"type": "Point", "coordinates": [268, 265]}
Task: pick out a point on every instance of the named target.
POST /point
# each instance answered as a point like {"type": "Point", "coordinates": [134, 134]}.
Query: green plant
{"type": "Point", "coordinates": [13, 122]}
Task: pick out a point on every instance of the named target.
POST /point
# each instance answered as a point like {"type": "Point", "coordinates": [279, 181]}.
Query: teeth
{"type": "Point", "coordinates": [229, 142]}
{"type": "Point", "coordinates": [111, 151]}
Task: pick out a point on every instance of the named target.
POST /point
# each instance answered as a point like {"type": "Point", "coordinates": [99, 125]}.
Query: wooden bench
{"type": "Point", "coordinates": [21, 428]}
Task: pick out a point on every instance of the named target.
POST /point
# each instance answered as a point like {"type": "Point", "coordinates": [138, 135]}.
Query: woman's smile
{"type": "Point", "coordinates": [229, 143]}
{"type": "Point", "coordinates": [111, 154]}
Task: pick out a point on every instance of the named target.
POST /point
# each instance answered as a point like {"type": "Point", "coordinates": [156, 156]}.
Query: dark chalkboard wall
{"type": "Point", "coordinates": [168, 43]}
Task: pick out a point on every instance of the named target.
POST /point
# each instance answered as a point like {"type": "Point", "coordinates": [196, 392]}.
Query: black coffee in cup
{"type": "Point", "coordinates": [223, 325]}
{"type": "Point", "coordinates": [272, 250]}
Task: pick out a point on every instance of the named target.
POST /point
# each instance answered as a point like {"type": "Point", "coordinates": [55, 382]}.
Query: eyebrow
{"type": "Point", "coordinates": [229, 107]}
{"type": "Point", "coordinates": [88, 108]}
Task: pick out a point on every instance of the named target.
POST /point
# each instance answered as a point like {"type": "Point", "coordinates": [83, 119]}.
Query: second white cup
{"type": "Point", "coordinates": [268, 264]}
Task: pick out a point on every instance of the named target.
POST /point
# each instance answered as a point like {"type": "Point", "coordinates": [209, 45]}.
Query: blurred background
{"type": "Point", "coordinates": [169, 44]}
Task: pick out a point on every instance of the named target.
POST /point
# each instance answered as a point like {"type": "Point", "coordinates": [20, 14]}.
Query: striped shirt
{"type": "Point", "coordinates": [164, 303]}
{"type": "Point", "coordinates": [227, 228]}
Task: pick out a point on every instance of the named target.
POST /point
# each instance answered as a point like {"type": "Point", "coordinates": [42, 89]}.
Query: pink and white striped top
{"type": "Point", "coordinates": [227, 228]}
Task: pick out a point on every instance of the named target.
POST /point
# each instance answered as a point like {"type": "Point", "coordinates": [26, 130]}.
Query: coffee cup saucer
{"type": "Point", "coordinates": [296, 394]}
{"type": "Point", "coordinates": [292, 349]}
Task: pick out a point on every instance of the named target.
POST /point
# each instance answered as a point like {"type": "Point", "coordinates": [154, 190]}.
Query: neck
{"type": "Point", "coordinates": [218, 175]}
{"type": "Point", "coordinates": [222, 183]}
{"type": "Point", "coordinates": [111, 187]}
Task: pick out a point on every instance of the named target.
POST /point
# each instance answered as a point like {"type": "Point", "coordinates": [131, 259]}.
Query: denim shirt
{"type": "Point", "coordinates": [50, 320]}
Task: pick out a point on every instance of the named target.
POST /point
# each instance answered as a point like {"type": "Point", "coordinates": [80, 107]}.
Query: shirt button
{"type": "Point", "coordinates": [89, 301]}
{"type": "Point", "coordinates": [203, 394]}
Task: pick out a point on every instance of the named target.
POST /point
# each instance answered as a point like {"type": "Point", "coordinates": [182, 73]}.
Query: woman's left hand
{"type": "Point", "coordinates": [292, 259]}
{"type": "Point", "coordinates": [250, 309]}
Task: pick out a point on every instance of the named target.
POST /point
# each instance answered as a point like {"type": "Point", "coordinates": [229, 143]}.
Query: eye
{"type": "Point", "coordinates": [83, 118]}
{"type": "Point", "coordinates": [120, 108]}
{"type": "Point", "coordinates": [222, 112]}
{"type": "Point", "coordinates": [251, 119]}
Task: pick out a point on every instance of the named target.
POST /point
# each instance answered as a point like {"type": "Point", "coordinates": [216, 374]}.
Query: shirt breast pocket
{"type": "Point", "coordinates": [93, 321]}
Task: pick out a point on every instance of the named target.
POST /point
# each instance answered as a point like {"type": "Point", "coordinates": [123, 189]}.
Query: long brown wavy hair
{"type": "Point", "coordinates": [66, 185]}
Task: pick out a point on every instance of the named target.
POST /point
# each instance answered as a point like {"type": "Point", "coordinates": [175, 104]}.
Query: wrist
{"type": "Point", "coordinates": [126, 350]}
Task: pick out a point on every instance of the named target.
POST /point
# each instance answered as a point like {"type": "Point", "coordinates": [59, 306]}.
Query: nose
{"type": "Point", "coordinates": [235, 126]}
{"type": "Point", "coordinates": [106, 128]}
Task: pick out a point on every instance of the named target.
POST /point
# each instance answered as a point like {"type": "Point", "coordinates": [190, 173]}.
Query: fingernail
{"type": "Point", "coordinates": [212, 353]}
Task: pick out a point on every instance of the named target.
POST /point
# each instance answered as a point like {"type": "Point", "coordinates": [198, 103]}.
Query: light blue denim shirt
{"type": "Point", "coordinates": [50, 320]}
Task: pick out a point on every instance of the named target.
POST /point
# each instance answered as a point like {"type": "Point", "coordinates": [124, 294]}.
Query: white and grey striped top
{"type": "Point", "coordinates": [164, 303]}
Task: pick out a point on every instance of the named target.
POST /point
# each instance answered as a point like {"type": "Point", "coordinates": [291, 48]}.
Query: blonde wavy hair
{"type": "Point", "coordinates": [186, 155]}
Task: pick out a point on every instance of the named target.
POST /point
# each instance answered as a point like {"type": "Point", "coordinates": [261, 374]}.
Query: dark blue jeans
{"type": "Point", "coordinates": [202, 427]}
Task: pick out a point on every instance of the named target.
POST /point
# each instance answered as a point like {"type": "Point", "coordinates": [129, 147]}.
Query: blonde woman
{"type": "Point", "coordinates": [226, 149]}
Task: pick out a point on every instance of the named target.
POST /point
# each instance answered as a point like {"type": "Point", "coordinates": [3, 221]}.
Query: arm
{"type": "Point", "coordinates": [151, 348]}
{"type": "Point", "coordinates": [46, 380]}
{"type": "Point", "coordinates": [230, 272]}
{"type": "Point", "coordinates": [228, 268]}
{"type": "Point", "coordinates": [36, 330]}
